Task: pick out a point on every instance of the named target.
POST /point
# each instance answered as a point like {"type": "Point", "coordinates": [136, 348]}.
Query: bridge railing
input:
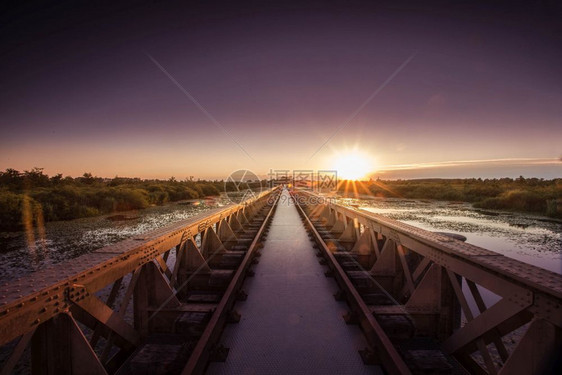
{"type": "Point", "coordinates": [49, 308]}
{"type": "Point", "coordinates": [431, 275]}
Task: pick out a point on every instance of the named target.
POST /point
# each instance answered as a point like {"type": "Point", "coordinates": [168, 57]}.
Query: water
{"type": "Point", "coordinates": [531, 239]}
{"type": "Point", "coordinates": [528, 238]}
{"type": "Point", "coordinates": [22, 253]}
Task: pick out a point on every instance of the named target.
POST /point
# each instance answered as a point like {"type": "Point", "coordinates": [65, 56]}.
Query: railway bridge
{"type": "Point", "coordinates": [286, 282]}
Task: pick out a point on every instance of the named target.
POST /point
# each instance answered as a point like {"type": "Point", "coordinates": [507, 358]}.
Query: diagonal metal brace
{"type": "Point", "coordinates": [79, 296]}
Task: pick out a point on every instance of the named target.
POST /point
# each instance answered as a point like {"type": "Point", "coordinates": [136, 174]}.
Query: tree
{"type": "Point", "coordinates": [87, 178]}
{"type": "Point", "coordinates": [56, 179]}
{"type": "Point", "coordinates": [11, 178]}
{"type": "Point", "coordinates": [35, 178]}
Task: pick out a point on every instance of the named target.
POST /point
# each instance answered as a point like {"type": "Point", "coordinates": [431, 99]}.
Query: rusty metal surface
{"type": "Point", "coordinates": [527, 293]}
{"type": "Point", "coordinates": [290, 322]}
{"type": "Point", "coordinates": [31, 300]}
{"type": "Point", "coordinates": [513, 270]}
{"type": "Point", "coordinates": [534, 276]}
{"type": "Point", "coordinates": [200, 355]}
{"type": "Point", "coordinates": [374, 333]}
{"type": "Point", "coordinates": [29, 285]}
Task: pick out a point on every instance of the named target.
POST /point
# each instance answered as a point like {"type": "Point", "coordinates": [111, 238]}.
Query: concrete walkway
{"type": "Point", "coordinates": [291, 323]}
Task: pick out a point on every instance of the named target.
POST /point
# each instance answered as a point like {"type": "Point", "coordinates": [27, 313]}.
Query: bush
{"type": "Point", "coordinates": [129, 199]}
{"type": "Point", "coordinates": [207, 190]}
{"type": "Point", "coordinates": [517, 200]}
{"type": "Point", "coordinates": [474, 193]}
{"type": "Point", "coordinates": [65, 198]}
{"type": "Point", "coordinates": [12, 209]}
{"type": "Point", "coordinates": [554, 208]}
{"type": "Point", "coordinates": [522, 200]}
{"type": "Point", "coordinates": [524, 195]}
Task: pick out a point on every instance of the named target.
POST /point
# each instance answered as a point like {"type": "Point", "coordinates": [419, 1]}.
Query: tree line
{"type": "Point", "coordinates": [532, 195]}
{"type": "Point", "coordinates": [34, 195]}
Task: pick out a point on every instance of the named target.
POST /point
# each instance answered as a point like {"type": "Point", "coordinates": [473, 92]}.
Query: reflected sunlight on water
{"type": "Point", "coordinates": [46, 244]}
{"type": "Point", "coordinates": [528, 238]}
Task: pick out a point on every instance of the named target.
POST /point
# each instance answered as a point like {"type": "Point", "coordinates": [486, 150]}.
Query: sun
{"type": "Point", "coordinates": [352, 166]}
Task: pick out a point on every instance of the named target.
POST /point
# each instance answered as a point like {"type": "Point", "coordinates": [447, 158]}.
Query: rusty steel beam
{"type": "Point", "coordinates": [200, 355]}
{"type": "Point", "coordinates": [59, 347]}
{"type": "Point", "coordinates": [529, 293]}
{"type": "Point", "coordinates": [375, 335]}
{"type": "Point", "coordinates": [31, 300]}
{"type": "Point", "coordinates": [500, 274]}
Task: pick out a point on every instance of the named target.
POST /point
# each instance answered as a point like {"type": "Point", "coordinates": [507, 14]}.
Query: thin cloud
{"type": "Point", "coordinates": [456, 163]}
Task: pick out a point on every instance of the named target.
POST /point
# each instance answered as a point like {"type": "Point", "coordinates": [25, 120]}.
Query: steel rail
{"type": "Point", "coordinates": [33, 299]}
{"type": "Point", "coordinates": [529, 294]}
{"type": "Point", "coordinates": [441, 249]}
{"type": "Point", "coordinates": [375, 335]}
{"type": "Point", "coordinates": [202, 351]}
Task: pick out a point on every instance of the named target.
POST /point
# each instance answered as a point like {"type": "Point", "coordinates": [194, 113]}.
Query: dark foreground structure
{"type": "Point", "coordinates": [413, 300]}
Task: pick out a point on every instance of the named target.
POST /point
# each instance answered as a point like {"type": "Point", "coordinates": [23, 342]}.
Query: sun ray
{"type": "Point", "coordinates": [383, 186]}
{"type": "Point", "coordinates": [353, 165]}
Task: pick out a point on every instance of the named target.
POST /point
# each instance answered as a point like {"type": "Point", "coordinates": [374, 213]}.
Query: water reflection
{"type": "Point", "coordinates": [531, 239]}
{"type": "Point", "coordinates": [50, 243]}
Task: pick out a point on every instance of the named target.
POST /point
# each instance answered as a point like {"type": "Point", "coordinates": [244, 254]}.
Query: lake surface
{"type": "Point", "coordinates": [21, 254]}
{"type": "Point", "coordinates": [531, 239]}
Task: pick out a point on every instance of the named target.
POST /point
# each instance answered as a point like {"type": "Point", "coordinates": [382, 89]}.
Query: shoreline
{"type": "Point", "coordinates": [484, 211]}
{"type": "Point", "coordinates": [116, 216]}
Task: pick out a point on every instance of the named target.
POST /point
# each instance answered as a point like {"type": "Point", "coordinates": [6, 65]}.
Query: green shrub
{"type": "Point", "coordinates": [554, 208]}
{"type": "Point", "coordinates": [10, 210]}
{"type": "Point", "coordinates": [208, 189]}
{"type": "Point", "coordinates": [65, 198]}
{"type": "Point", "coordinates": [129, 199]}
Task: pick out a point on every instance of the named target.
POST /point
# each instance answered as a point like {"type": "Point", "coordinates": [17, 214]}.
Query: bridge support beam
{"type": "Point", "coordinates": [189, 268]}
{"type": "Point", "coordinates": [235, 224]}
{"type": "Point", "coordinates": [152, 292]}
{"type": "Point", "coordinates": [242, 218]}
{"type": "Point", "coordinates": [226, 234]}
{"type": "Point", "coordinates": [59, 347]}
{"type": "Point", "coordinates": [339, 225]}
{"type": "Point", "coordinates": [350, 234]}
{"type": "Point", "coordinates": [534, 354]}
{"type": "Point", "coordinates": [384, 269]}
{"type": "Point", "coordinates": [424, 305]}
{"type": "Point", "coordinates": [211, 245]}
{"type": "Point", "coordinates": [332, 218]}
{"type": "Point", "coordinates": [364, 248]}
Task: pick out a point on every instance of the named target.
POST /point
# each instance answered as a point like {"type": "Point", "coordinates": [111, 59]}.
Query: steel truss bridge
{"type": "Point", "coordinates": [160, 303]}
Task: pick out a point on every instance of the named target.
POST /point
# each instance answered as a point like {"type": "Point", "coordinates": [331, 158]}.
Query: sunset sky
{"type": "Point", "coordinates": [162, 88]}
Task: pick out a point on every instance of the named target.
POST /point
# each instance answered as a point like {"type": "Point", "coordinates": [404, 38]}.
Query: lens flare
{"type": "Point", "coordinates": [353, 165]}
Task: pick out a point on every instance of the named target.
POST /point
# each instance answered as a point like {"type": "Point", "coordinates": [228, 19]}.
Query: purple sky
{"type": "Point", "coordinates": [79, 92]}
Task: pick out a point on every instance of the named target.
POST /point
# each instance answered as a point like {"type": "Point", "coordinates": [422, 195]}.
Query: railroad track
{"type": "Point", "coordinates": [160, 315]}
{"type": "Point", "coordinates": [158, 304]}
{"type": "Point", "coordinates": [404, 287]}
{"type": "Point", "coordinates": [185, 344]}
